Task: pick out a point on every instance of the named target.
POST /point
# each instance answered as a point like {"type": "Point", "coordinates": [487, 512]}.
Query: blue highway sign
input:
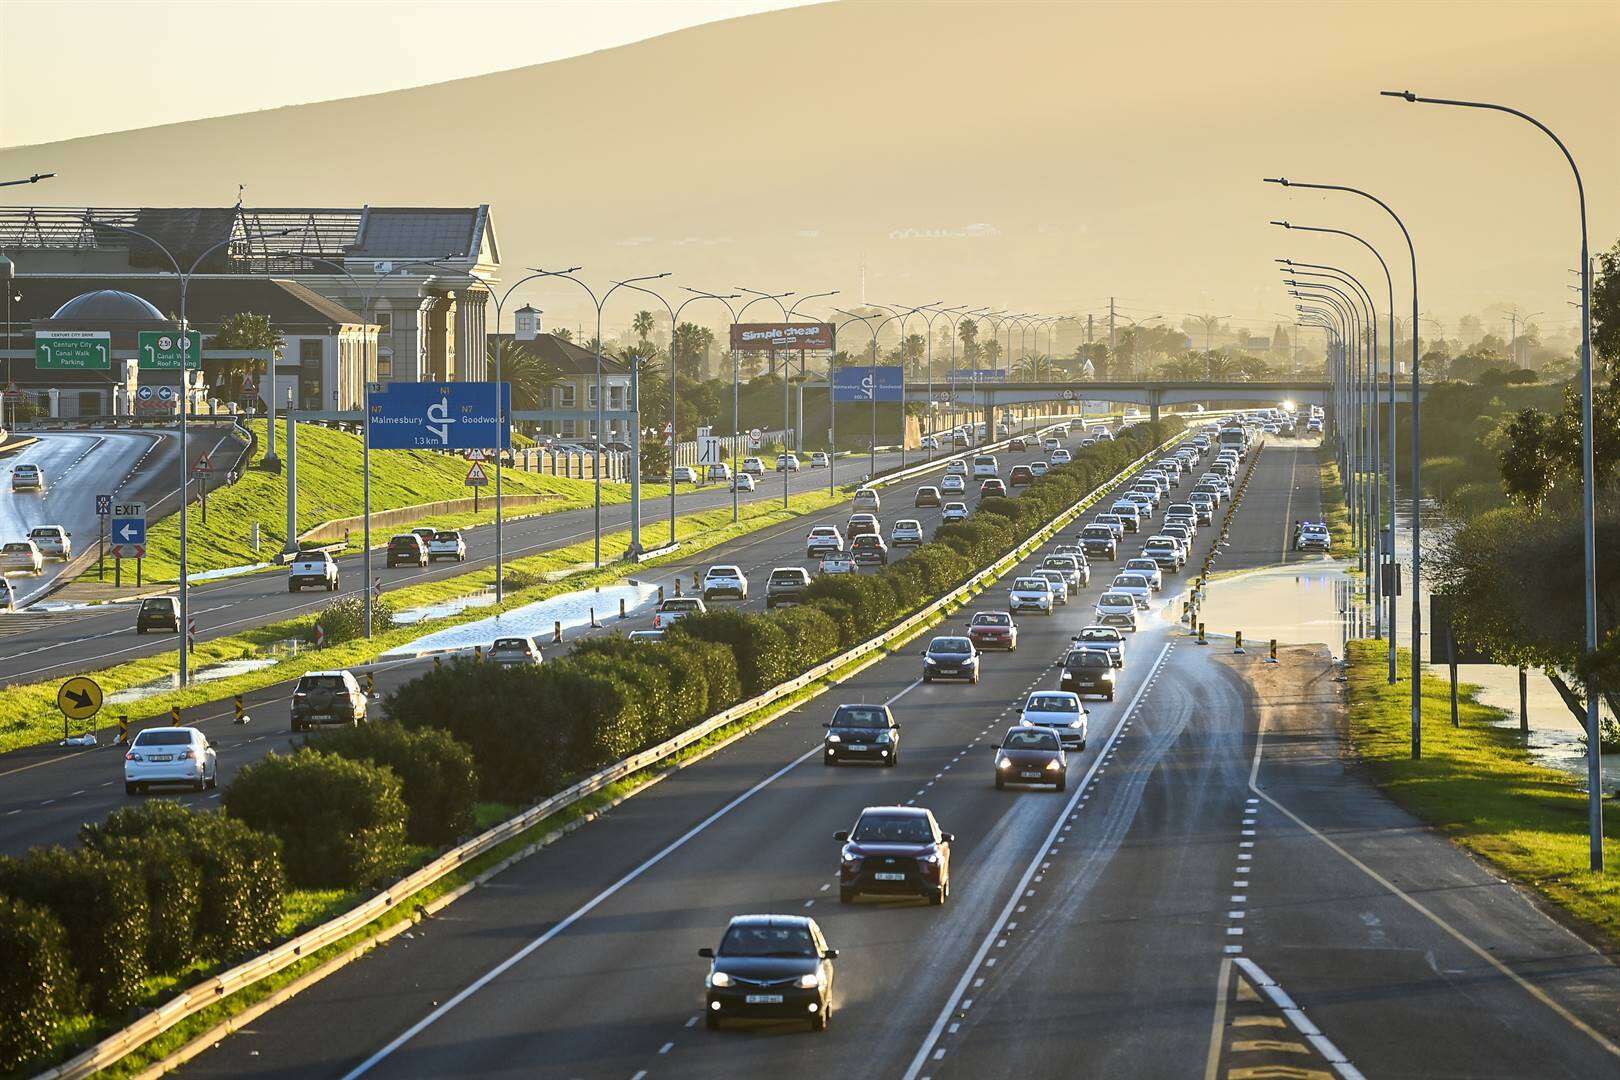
{"type": "Point", "coordinates": [441, 416]}
{"type": "Point", "coordinates": [855, 383]}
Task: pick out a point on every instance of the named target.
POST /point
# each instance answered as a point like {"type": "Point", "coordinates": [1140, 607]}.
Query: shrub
{"type": "Point", "coordinates": [758, 643]}
{"type": "Point", "coordinates": [173, 885]}
{"type": "Point", "coordinates": [811, 634]}
{"type": "Point", "coordinates": [438, 779]}
{"type": "Point", "coordinates": [37, 989]}
{"type": "Point", "coordinates": [344, 619]}
{"type": "Point", "coordinates": [101, 905]}
{"type": "Point", "coordinates": [340, 822]}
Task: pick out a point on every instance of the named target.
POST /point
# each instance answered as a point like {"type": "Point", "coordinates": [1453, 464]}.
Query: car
{"type": "Point", "coordinates": [1075, 570]}
{"type": "Point", "coordinates": [328, 697]}
{"type": "Point", "coordinates": [993, 630]}
{"type": "Point", "coordinates": [718, 472]}
{"type": "Point", "coordinates": [1018, 445]}
{"type": "Point", "coordinates": [753, 466]}
{"type": "Point", "coordinates": [895, 850]}
{"type": "Point", "coordinates": [1181, 534]}
{"type": "Point", "coordinates": [786, 585]}
{"type": "Point", "coordinates": [685, 474]}
{"type": "Point", "coordinates": [960, 440]}
{"type": "Point", "coordinates": [23, 555]}
{"type": "Point", "coordinates": [930, 442]}
{"type": "Point", "coordinates": [787, 462]}
{"type": "Point", "coordinates": [1102, 434]}
{"type": "Point", "coordinates": [1061, 456]}
{"type": "Point", "coordinates": [1031, 594]}
{"type": "Point", "coordinates": [862, 525]}
{"type": "Point", "coordinates": [951, 657]}
{"type": "Point", "coordinates": [725, 580]}
{"type": "Point", "coordinates": [1313, 426]}
{"type": "Point", "coordinates": [1311, 536]}
{"type": "Point", "coordinates": [956, 468]}
{"type": "Point", "coordinates": [927, 495]}
{"type": "Point", "coordinates": [820, 460]}
{"type": "Point", "coordinates": [1039, 469]}
{"type": "Point", "coordinates": [907, 532]}
{"type": "Point", "coordinates": [517, 651]}
{"type": "Point", "coordinates": [1059, 710]}
{"type": "Point", "coordinates": [992, 486]}
{"type": "Point", "coordinates": [1148, 569]}
{"type": "Point", "coordinates": [675, 609]}
{"type": "Point", "coordinates": [953, 511]}
{"type": "Point", "coordinates": [1050, 445]}
{"type": "Point", "coordinates": [1165, 553]}
{"type": "Point", "coordinates": [1144, 504]}
{"type": "Point", "coordinates": [984, 465]}
{"type": "Point", "coordinates": [869, 548]}
{"type": "Point", "coordinates": [27, 477]}
{"type": "Point", "coordinates": [1021, 476]}
{"type": "Point", "coordinates": [1188, 521]}
{"type": "Point", "coordinates": [836, 564]}
{"type": "Point", "coordinates": [743, 482]}
{"type": "Point", "coordinates": [53, 541]}
{"type": "Point", "coordinates": [1031, 755]}
{"type": "Point", "coordinates": [951, 484]}
{"type": "Point", "coordinates": [447, 544]}
{"type": "Point", "coordinates": [170, 755]}
{"type": "Point", "coordinates": [645, 637]}
{"type": "Point", "coordinates": [1088, 671]}
{"type": "Point", "coordinates": [158, 613]}
{"type": "Point", "coordinates": [1099, 542]}
{"type": "Point", "coordinates": [1134, 585]}
{"type": "Point", "coordinates": [1070, 549]}
{"type": "Point", "coordinates": [406, 548]}
{"type": "Point", "coordinates": [1117, 609]}
{"type": "Point", "coordinates": [1087, 441]}
{"type": "Point", "coordinates": [1059, 583]}
{"type": "Point", "coordinates": [861, 733]}
{"type": "Point", "coordinates": [822, 539]}
{"type": "Point", "coordinates": [1107, 638]}
{"type": "Point", "coordinates": [313, 567]}
{"type": "Point", "coordinates": [866, 498]}
{"type": "Point", "coordinates": [775, 967]}
{"type": "Point", "coordinates": [424, 534]}
{"type": "Point", "coordinates": [1129, 514]}
{"type": "Point", "coordinates": [1203, 504]}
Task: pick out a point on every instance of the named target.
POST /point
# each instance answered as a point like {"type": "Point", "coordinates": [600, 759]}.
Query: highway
{"type": "Point", "coordinates": [46, 792]}
{"type": "Point", "coordinates": [1201, 901]}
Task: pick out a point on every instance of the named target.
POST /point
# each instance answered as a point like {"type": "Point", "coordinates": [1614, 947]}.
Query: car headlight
{"type": "Point", "coordinates": [810, 981]}
{"type": "Point", "coordinates": [1052, 766]}
{"type": "Point", "coordinates": [885, 737]}
{"type": "Point", "coordinates": [835, 738]}
{"type": "Point", "coordinates": [929, 660]}
{"type": "Point", "coordinates": [719, 978]}
{"type": "Point", "coordinates": [1003, 763]}
{"type": "Point", "coordinates": [850, 854]}
{"type": "Point", "coordinates": [1026, 721]}
{"type": "Point", "coordinates": [931, 857]}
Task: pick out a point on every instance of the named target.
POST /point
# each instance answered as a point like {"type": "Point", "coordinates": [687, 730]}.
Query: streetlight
{"type": "Point", "coordinates": [955, 323]}
{"type": "Point", "coordinates": [736, 423]}
{"type": "Point", "coordinates": [871, 449]}
{"type": "Point", "coordinates": [935, 313]}
{"type": "Point", "coordinates": [36, 178]}
{"type": "Point", "coordinates": [787, 368]}
{"type": "Point", "coordinates": [908, 313]}
{"type": "Point", "coordinates": [1417, 457]}
{"type": "Point", "coordinates": [596, 444]}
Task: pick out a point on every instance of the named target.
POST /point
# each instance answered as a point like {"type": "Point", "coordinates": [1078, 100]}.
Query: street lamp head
{"type": "Point", "coordinates": [1285, 262]}
{"type": "Point", "coordinates": [1283, 180]}
{"type": "Point", "coordinates": [1284, 224]}
{"type": "Point", "coordinates": [1406, 95]}
{"type": "Point", "coordinates": [556, 273]}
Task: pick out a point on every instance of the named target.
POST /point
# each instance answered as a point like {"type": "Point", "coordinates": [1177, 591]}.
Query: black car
{"type": "Point", "coordinates": [928, 495]}
{"type": "Point", "coordinates": [158, 613]}
{"type": "Point", "coordinates": [770, 967]}
{"type": "Point", "coordinates": [867, 548]}
{"type": "Point", "coordinates": [895, 850]}
{"type": "Point", "coordinates": [862, 733]}
{"type": "Point", "coordinates": [1032, 755]}
{"type": "Point", "coordinates": [951, 658]}
{"type": "Point", "coordinates": [1088, 671]}
{"type": "Point", "coordinates": [786, 585]}
{"type": "Point", "coordinates": [407, 548]}
{"type": "Point", "coordinates": [1098, 542]}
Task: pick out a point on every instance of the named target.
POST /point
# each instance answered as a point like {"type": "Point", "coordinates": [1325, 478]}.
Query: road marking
{"type": "Point", "coordinates": [666, 1048]}
{"type": "Point", "coordinates": [1212, 1060]}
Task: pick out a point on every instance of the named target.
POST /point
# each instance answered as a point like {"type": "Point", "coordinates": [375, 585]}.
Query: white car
{"type": "Point", "coordinates": [1074, 568]}
{"type": "Point", "coordinates": [645, 637]}
{"type": "Point", "coordinates": [1116, 609]}
{"type": "Point", "coordinates": [1061, 456]}
{"type": "Point", "coordinates": [447, 544]}
{"type": "Point", "coordinates": [685, 474]}
{"type": "Point", "coordinates": [1030, 594]}
{"type": "Point", "coordinates": [1039, 469]}
{"type": "Point", "coordinates": [866, 498]}
{"type": "Point", "coordinates": [515, 651]}
{"type": "Point", "coordinates": [1050, 444]}
{"type": "Point", "coordinates": [1059, 710]}
{"type": "Point", "coordinates": [956, 468]}
{"type": "Point", "coordinates": [907, 533]}
{"type": "Point", "coordinates": [676, 608]}
{"type": "Point", "coordinates": [725, 581]}
{"type": "Point", "coordinates": [952, 484]}
{"type": "Point", "coordinates": [753, 466]}
{"type": "Point", "coordinates": [21, 555]}
{"type": "Point", "coordinates": [836, 564]}
{"type": "Point", "coordinates": [169, 755]}
{"type": "Point", "coordinates": [930, 443]}
{"type": "Point", "coordinates": [787, 462]}
{"type": "Point", "coordinates": [8, 595]}
{"type": "Point", "coordinates": [27, 477]}
{"type": "Point", "coordinates": [743, 482]}
{"type": "Point", "coordinates": [312, 568]}
{"type": "Point", "coordinates": [1134, 585]}
{"type": "Point", "coordinates": [984, 465]}
{"type": "Point", "coordinates": [719, 472]}
{"type": "Point", "coordinates": [953, 511]}
{"type": "Point", "coordinates": [1059, 583]}
{"type": "Point", "coordinates": [53, 541]}
{"type": "Point", "coordinates": [823, 539]}
{"type": "Point", "coordinates": [1148, 569]}
{"type": "Point", "coordinates": [1313, 536]}
{"type": "Point", "coordinates": [819, 460]}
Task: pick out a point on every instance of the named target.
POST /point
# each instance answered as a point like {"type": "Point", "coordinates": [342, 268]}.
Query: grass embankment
{"type": "Point", "coordinates": [28, 714]}
{"type": "Point", "coordinates": [330, 487]}
{"type": "Point", "coordinates": [1335, 511]}
{"type": "Point", "coordinates": [1478, 783]}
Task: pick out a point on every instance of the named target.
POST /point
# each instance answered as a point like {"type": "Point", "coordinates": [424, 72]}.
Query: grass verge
{"type": "Point", "coordinates": [1477, 783]}
{"type": "Point", "coordinates": [1335, 511]}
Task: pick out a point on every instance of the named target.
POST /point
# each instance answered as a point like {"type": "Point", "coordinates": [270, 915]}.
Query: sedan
{"type": "Point", "coordinates": [993, 630]}
{"type": "Point", "coordinates": [1129, 514]}
{"type": "Point", "coordinates": [774, 967]}
{"type": "Point", "coordinates": [1148, 569]}
{"type": "Point", "coordinates": [951, 484]}
{"type": "Point", "coordinates": [1031, 755]}
{"type": "Point", "coordinates": [951, 658]}
{"type": "Point", "coordinates": [861, 733]}
{"type": "Point", "coordinates": [1117, 609]}
{"type": "Point", "coordinates": [27, 478]}
{"type": "Point", "coordinates": [1059, 710]}
{"type": "Point", "coordinates": [169, 755]}
{"type": "Point", "coordinates": [953, 511]}
{"type": "Point", "coordinates": [1031, 594]}
{"type": "Point", "coordinates": [685, 474]}
{"type": "Point", "coordinates": [907, 532]}
{"type": "Point", "coordinates": [895, 850]}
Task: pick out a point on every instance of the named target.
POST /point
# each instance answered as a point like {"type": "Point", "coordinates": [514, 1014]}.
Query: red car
{"type": "Point", "coordinates": [992, 486]}
{"type": "Point", "coordinates": [993, 630]}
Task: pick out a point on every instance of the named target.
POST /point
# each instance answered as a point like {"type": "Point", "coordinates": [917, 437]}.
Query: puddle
{"type": "Point", "coordinates": [444, 608]}
{"type": "Point", "coordinates": [1296, 603]}
{"type": "Point", "coordinates": [207, 673]}
{"type": "Point", "coordinates": [539, 619]}
{"type": "Point", "coordinates": [54, 607]}
{"type": "Point", "coordinates": [229, 571]}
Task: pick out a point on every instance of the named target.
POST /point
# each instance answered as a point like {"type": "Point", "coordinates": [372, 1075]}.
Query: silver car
{"type": "Point", "coordinates": [513, 651]}
{"type": "Point", "coordinates": [169, 755]}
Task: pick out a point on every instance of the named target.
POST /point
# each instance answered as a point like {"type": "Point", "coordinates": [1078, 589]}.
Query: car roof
{"type": "Point", "coordinates": [772, 920]}
{"type": "Point", "coordinates": [333, 671]}
{"type": "Point", "coordinates": [899, 811]}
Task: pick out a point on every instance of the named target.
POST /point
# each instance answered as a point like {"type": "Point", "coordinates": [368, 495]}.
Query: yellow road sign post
{"type": "Point", "coordinates": [78, 698]}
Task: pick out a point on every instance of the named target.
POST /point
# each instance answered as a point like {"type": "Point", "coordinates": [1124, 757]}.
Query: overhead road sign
{"type": "Point", "coordinates": [856, 384]}
{"type": "Point", "coordinates": [73, 350]}
{"type": "Point", "coordinates": [163, 350]}
{"type": "Point", "coordinates": [441, 416]}
{"type": "Point", "coordinates": [79, 698]}
{"type": "Point", "coordinates": [748, 337]}
{"type": "Point", "coordinates": [976, 375]}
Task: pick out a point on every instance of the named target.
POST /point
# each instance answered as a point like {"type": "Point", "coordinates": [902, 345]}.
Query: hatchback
{"type": "Point", "coordinates": [927, 496]}
{"type": "Point", "coordinates": [992, 486]}
{"type": "Point", "coordinates": [907, 532]}
{"type": "Point", "coordinates": [895, 850]}
{"type": "Point", "coordinates": [861, 733]}
{"type": "Point", "coordinates": [406, 548]}
{"type": "Point", "coordinates": [1059, 710]}
{"type": "Point", "coordinates": [515, 651]}
{"type": "Point", "coordinates": [776, 967]}
{"type": "Point", "coordinates": [158, 613]}
{"type": "Point", "coordinates": [953, 511]}
{"type": "Point", "coordinates": [1031, 755]}
{"type": "Point", "coordinates": [951, 658]}
{"type": "Point", "coordinates": [993, 630]}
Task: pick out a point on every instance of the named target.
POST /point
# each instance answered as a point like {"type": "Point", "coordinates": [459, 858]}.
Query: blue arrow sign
{"type": "Point", "coordinates": [441, 416]}
{"type": "Point", "coordinates": [128, 530]}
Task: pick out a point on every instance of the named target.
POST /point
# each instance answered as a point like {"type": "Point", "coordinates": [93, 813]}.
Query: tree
{"type": "Point", "coordinates": [243, 330]}
{"type": "Point", "coordinates": [988, 352]}
{"type": "Point", "coordinates": [689, 346]}
{"type": "Point", "coordinates": [643, 325]}
{"type": "Point", "coordinates": [1606, 312]}
{"type": "Point", "coordinates": [563, 333]}
{"type": "Point", "coordinates": [968, 331]}
{"type": "Point", "coordinates": [752, 364]}
{"type": "Point", "coordinates": [1527, 457]}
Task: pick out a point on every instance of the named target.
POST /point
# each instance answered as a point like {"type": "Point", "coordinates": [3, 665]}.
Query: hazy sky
{"type": "Point", "coordinates": [242, 55]}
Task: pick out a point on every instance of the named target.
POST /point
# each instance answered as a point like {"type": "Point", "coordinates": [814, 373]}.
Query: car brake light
{"type": "Point", "coordinates": [132, 756]}
{"type": "Point", "coordinates": [188, 755]}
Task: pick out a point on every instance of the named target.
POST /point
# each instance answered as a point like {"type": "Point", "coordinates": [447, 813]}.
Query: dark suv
{"type": "Point", "coordinates": [862, 733]}
{"type": "Point", "coordinates": [407, 548]}
{"type": "Point", "coordinates": [1088, 671]}
{"type": "Point", "coordinates": [786, 585]}
{"type": "Point", "coordinates": [868, 549]}
{"type": "Point", "coordinates": [327, 697]}
{"type": "Point", "coordinates": [1098, 542]}
{"type": "Point", "coordinates": [895, 849]}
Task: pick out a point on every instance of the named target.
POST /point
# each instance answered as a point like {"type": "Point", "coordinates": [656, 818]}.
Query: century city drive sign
{"type": "Point", "coordinates": [751, 336]}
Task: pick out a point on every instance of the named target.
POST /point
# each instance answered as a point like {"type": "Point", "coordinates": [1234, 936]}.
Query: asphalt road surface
{"type": "Point", "coordinates": [1196, 903]}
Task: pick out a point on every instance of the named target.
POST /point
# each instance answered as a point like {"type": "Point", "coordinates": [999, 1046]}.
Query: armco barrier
{"type": "Point", "coordinates": [221, 986]}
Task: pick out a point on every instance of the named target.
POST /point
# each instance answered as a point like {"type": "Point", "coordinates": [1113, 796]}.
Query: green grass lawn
{"type": "Point", "coordinates": [1334, 510]}
{"type": "Point", "coordinates": [1478, 783]}
{"type": "Point", "coordinates": [330, 487]}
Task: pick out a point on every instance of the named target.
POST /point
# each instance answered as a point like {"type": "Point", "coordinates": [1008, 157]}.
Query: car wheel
{"type": "Point", "coordinates": [1061, 784]}
{"type": "Point", "coordinates": [1000, 783]}
{"type": "Point", "coordinates": [140, 630]}
{"type": "Point", "coordinates": [820, 1020]}
{"type": "Point", "coordinates": [927, 678]}
{"type": "Point", "coordinates": [131, 789]}
{"type": "Point", "coordinates": [894, 759]}
{"type": "Point", "coordinates": [828, 759]}
{"type": "Point", "coordinates": [937, 896]}
{"type": "Point", "coordinates": [213, 780]}
{"type": "Point", "coordinates": [200, 786]}
{"type": "Point", "coordinates": [975, 679]}
{"type": "Point", "coordinates": [846, 895]}
{"type": "Point", "coordinates": [1082, 745]}
{"type": "Point", "coordinates": [1110, 695]}
{"type": "Point", "coordinates": [297, 727]}
{"type": "Point", "coordinates": [1013, 647]}
{"type": "Point", "coordinates": [292, 586]}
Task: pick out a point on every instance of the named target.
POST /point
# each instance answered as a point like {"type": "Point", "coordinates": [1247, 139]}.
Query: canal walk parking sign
{"type": "Point", "coordinates": [441, 416]}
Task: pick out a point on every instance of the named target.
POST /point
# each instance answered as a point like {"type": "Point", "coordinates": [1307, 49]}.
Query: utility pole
{"type": "Point", "coordinates": [1111, 372]}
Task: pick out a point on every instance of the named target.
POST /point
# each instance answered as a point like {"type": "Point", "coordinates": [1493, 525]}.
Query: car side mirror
{"type": "Point", "coordinates": [827, 724]}
{"type": "Point", "coordinates": [706, 953]}
{"type": "Point", "coordinates": [829, 954]}
{"type": "Point", "coordinates": [842, 835]}
{"type": "Point", "coordinates": [949, 838]}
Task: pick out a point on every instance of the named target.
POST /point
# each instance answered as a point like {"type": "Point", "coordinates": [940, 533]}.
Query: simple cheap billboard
{"type": "Point", "coordinates": [856, 383]}
{"type": "Point", "coordinates": [746, 337]}
{"type": "Point", "coordinates": [441, 416]}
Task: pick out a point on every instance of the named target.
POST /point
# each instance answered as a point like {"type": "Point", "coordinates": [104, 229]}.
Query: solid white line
{"type": "Point", "coordinates": [921, 1058]}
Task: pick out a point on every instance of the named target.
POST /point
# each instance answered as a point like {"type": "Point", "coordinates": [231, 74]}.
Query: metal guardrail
{"type": "Point", "coordinates": [221, 986]}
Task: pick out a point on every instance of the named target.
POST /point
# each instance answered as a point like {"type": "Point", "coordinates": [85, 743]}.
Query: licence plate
{"type": "Point", "coordinates": [855, 746]}
{"type": "Point", "coordinates": [763, 999]}
{"type": "Point", "coordinates": [890, 877]}
{"type": "Point", "coordinates": [160, 757]}
{"type": "Point", "coordinates": [1030, 775]}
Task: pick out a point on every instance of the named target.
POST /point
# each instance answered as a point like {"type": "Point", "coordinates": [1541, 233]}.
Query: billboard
{"type": "Point", "coordinates": [746, 337]}
{"type": "Point", "coordinates": [856, 383]}
{"type": "Point", "coordinates": [440, 416]}
{"type": "Point", "coordinates": [973, 375]}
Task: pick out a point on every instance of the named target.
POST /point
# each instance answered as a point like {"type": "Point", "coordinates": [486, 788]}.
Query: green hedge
{"type": "Point", "coordinates": [37, 988]}
{"type": "Point", "coordinates": [438, 779]}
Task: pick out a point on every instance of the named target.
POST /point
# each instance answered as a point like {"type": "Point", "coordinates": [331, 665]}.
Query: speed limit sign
{"type": "Point", "coordinates": [756, 438]}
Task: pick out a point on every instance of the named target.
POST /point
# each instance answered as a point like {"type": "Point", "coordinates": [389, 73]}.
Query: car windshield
{"type": "Point", "coordinates": [992, 618]}
{"type": "Point", "coordinates": [450, 536]}
{"type": "Point", "coordinates": [950, 646]}
{"type": "Point", "coordinates": [163, 738]}
{"type": "Point", "coordinates": [321, 682]}
{"type": "Point", "coordinates": [1116, 600]}
{"type": "Point", "coordinates": [1141, 564]}
{"type": "Point", "coordinates": [824, 530]}
{"type": "Point", "coordinates": [893, 829]}
{"type": "Point", "coordinates": [1098, 532]}
{"type": "Point", "coordinates": [1052, 703]}
{"type": "Point", "coordinates": [1100, 633]}
{"type": "Point", "coordinates": [1033, 584]}
{"type": "Point", "coordinates": [47, 532]}
{"type": "Point", "coordinates": [1130, 581]}
{"type": "Point", "coordinates": [310, 556]}
{"type": "Point", "coordinates": [1029, 739]}
{"type": "Point", "coordinates": [16, 547]}
{"type": "Point", "coordinates": [1089, 658]}
{"type": "Point", "coordinates": [510, 644]}
{"type": "Point", "coordinates": [767, 940]}
{"type": "Point", "coordinates": [681, 604]}
{"type": "Point", "coordinates": [860, 716]}
{"type": "Point", "coordinates": [787, 577]}
{"type": "Point", "coordinates": [404, 541]}
{"type": "Point", "coordinates": [1055, 563]}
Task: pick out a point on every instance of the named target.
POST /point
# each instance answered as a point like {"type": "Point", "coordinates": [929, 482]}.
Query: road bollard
{"type": "Point", "coordinates": [622, 614]}
{"type": "Point", "coordinates": [438, 662]}
{"type": "Point", "coordinates": [241, 709]}
{"type": "Point", "coordinates": [660, 594]}
{"type": "Point", "coordinates": [1272, 659]}
{"type": "Point", "coordinates": [174, 715]}
{"type": "Point", "coordinates": [1202, 640]}
{"type": "Point", "coordinates": [123, 729]}
{"type": "Point", "coordinates": [1238, 648]}
{"type": "Point", "coordinates": [478, 654]}
{"type": "Point", "coordinates": [677, 585]}
{"type": "Point", "coordinates": [594, 623]}
{"type": "Point", "coordinates": [371, 685]}
{"type": "Point", "coordinates": [696, 583]}
{"type": "Point", "coordinates": [556, 632]}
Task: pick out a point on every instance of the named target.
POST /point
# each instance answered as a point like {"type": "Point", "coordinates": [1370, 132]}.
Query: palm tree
{"type": "Point", "coordinates": [642, 324]}
{"type": "Point", "coordinates": [968, 331]}
{"type": "Point", "coordinates": [531, 377]}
